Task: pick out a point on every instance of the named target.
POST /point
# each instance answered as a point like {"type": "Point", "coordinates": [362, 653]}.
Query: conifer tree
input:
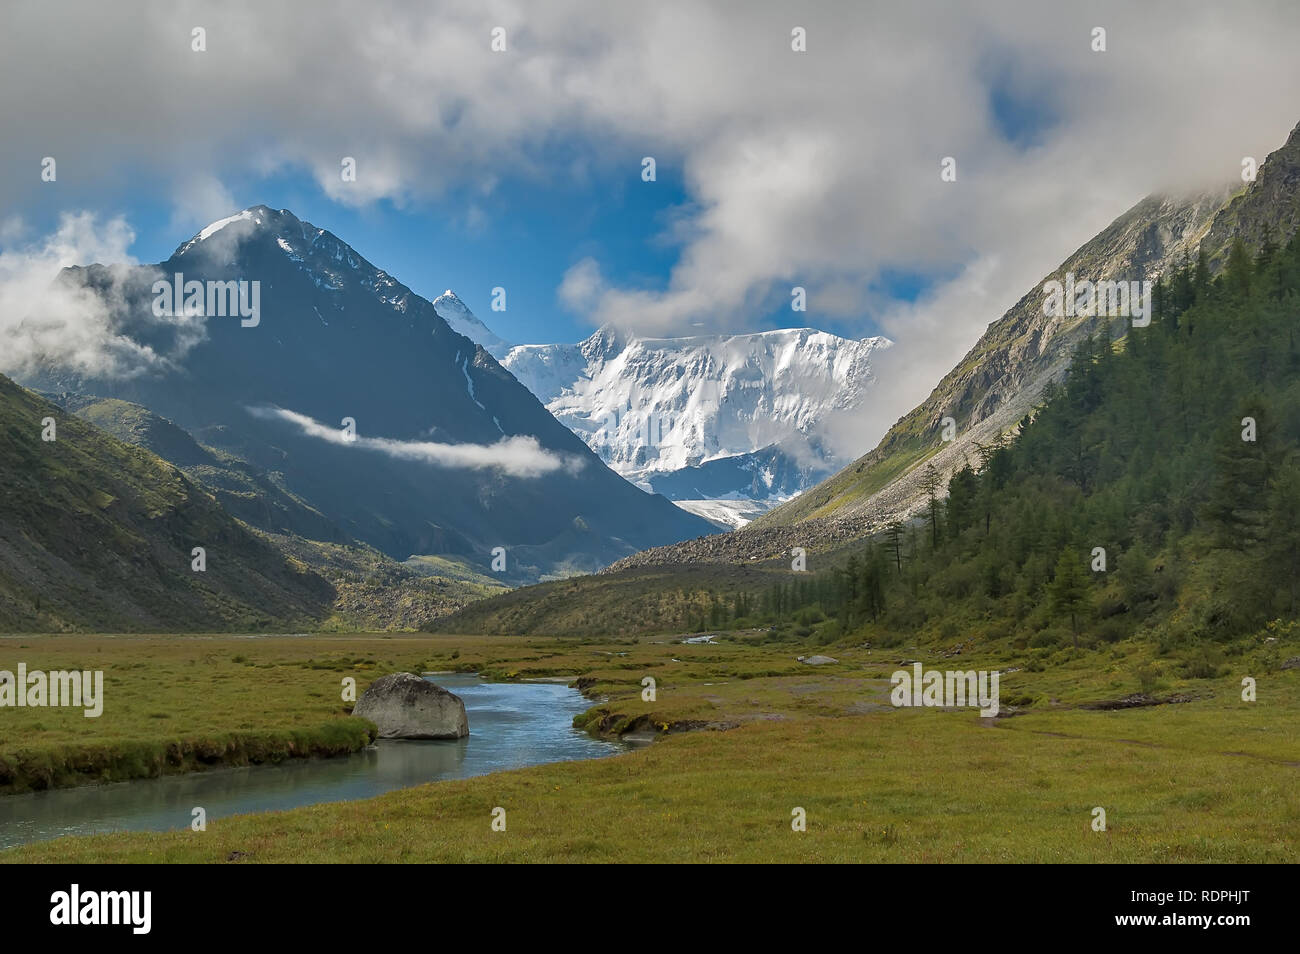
{"type": "Point", "coordinates": [930, 484]}
{"type": "Point", "coordinates": [1201, 278]}
{"type": "Point", "coordinates": [1237, 274]}
{"type": "Point", "coordinates": [894, 543]}
{"type": "Point", "coordinates": [1282, 539]}
{"type": "Point", "coordinates": [1069, 590]}
{"type": "Point", "coordinates": [1238, 498]}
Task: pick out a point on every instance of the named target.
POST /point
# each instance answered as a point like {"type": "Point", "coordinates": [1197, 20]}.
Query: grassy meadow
{"type": "Point", "coordinates": [746, 734]}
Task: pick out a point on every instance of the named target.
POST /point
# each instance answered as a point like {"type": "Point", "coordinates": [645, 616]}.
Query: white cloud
{"type": "Point", "coordinates": [518, 456]}
{"type": "Point", "coordinates": [582, 285]}
{"type": "Point", "coordinates": [818, 169]}
{"type": "Point", "coordinates": [48, 321]}
{"type": "Point", "coordinates": [198, 200]}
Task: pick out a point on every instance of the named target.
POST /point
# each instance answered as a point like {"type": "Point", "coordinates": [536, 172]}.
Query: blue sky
{"type": "Point", "coordinates": [521, 167]}
{"type": "Point", "coordinates": [524, 237]}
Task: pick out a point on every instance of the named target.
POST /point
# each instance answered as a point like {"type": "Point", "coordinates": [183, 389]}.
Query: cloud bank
{"type": "Point", "coordinates": [817, 168]}
{"type": "Point", "coordinates": [51, 320]}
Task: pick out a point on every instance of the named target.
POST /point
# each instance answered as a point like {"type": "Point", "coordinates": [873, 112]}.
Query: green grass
{"type": "Point", "coordinates": [180, 703]}
{"type": "Point", "coordinates": [1210, 780]}
{"type": "Point", "coordinates": [449, 568]}
{"type": "Point", "coordinates": [637, 601]}
{"type": "Point", "coordinates": [901, 786]}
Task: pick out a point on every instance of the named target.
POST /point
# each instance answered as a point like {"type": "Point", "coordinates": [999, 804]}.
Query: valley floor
{"type": "Point", "coordinates": [1205, 778]}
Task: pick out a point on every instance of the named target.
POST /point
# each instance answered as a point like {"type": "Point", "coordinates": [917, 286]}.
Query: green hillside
{"type": "Point", "coordinates": [97, 534]}
{"type": "Point", "coordinates": [1157, 492]}
{"type": "Point", "coordinates": [638, 600]}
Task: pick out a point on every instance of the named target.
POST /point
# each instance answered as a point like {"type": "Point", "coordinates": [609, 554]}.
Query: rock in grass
{"type": "Point", "coordinates": [817, 660]}
{"type": "Point", "coordinates": [404, 706]}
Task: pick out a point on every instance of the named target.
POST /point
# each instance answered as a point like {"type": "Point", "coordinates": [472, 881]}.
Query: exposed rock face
{"type": "Point", "coordinates": [404, 706]}
{"type": "Point", "coordinates": [1269, 209]}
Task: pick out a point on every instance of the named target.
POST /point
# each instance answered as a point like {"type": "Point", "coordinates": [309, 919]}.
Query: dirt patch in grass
{"type": "Point", "coordinates": [1137, 700]}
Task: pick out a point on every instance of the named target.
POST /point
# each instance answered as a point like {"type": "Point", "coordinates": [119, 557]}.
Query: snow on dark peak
{"type": "Point", "coordinates": [246, 237]}
{"type": "Point", "coordinates": [241, 222]}
{"type": "Point", "coordinates": [292, 235]}
{"type": "Point", "coordinates": [463, 321]}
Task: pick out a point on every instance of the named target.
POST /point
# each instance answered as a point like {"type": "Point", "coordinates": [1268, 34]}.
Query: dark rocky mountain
{"type": "Point", "coordinates": [451, 456]}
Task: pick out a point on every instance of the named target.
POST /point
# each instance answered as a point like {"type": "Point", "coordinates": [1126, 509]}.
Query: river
{"type": "Point", "coordinates": [511, 725]}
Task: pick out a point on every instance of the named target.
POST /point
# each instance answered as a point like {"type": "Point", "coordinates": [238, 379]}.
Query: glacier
{"type": "Point", "coordinates": [726, 426]}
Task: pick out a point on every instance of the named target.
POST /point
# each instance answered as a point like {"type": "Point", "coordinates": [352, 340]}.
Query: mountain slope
{"type": "Point", "coordinates": [999, 380]}
{"type": "Point", "coordinates": [95, 534]}
{"type": "Point", "coordinates": [252, 495]}
{"type": "Point", "coordinates": [372, 591]}
{"type": "Point", "coordinates": [453, 456]}
{"type": "Point", "coordinates": [1003, 376]}
{"type": "Point", "coordinates": [1266, 210]}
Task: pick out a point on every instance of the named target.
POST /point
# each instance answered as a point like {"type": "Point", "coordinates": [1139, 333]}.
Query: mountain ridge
{"type": "Point", "coordinates": [736, 416]}
{"type": "Point", "coordinates": [1003, 374]}
{"type": "Point", "coordinates": [449, 444]}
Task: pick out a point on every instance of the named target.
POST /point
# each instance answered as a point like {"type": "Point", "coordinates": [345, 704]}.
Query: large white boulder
{"type": "Point", "coordinates": [404, 706]}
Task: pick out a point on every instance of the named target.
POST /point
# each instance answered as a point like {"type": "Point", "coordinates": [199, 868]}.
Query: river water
{"type": "Point", "coordinates": [511, 725]}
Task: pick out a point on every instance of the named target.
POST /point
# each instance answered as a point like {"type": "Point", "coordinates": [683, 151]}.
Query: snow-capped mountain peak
{"type": "Point", "coordinates": [224, 235]}
{"type": "Point", "coordinates": [332, 264]}
{"type": "Point", "coordinates": [705, 416]}
{"type": "Point", "coordinates": [463, 321]}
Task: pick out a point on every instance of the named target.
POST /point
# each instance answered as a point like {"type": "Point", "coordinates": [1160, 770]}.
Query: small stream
{"type": "Point", "coordinates": [511, 725]}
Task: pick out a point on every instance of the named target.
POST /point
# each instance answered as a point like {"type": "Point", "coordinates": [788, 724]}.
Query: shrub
{"type": "Point", "coordinates": [1204, 664]}
{"type": "Point", "coordinates": [1147, 675]}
